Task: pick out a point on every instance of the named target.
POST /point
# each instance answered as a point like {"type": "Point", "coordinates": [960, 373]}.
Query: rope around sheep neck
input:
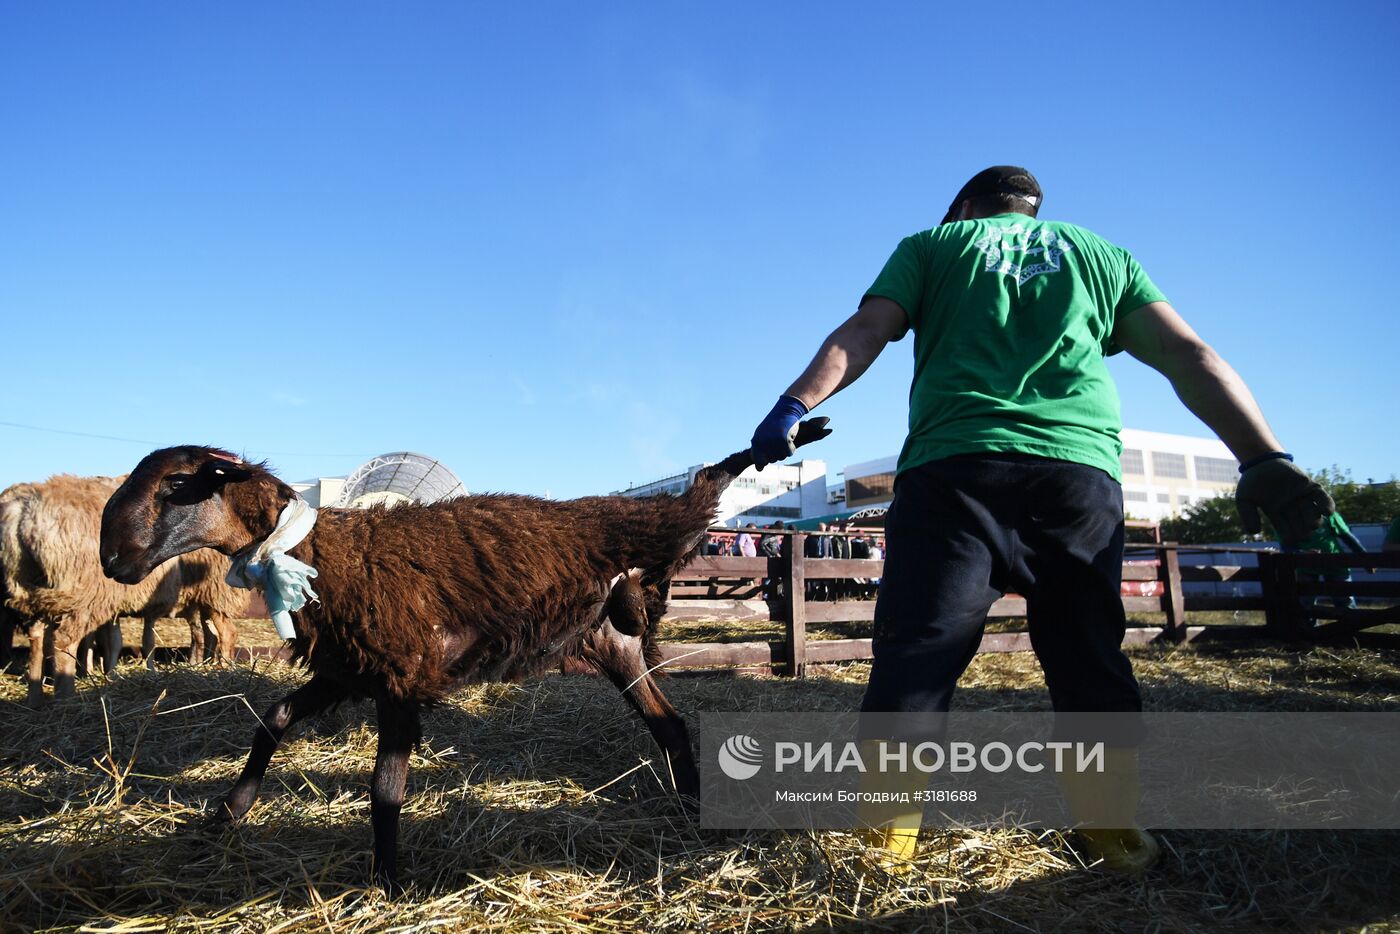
{"type": "Point", "coordinates": [285, 581]}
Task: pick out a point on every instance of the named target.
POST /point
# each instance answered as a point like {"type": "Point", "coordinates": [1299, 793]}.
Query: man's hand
{"type": "Point", "coordinates": [773, 438]}
{"type": "Point", "coordinates": [1292, 500]}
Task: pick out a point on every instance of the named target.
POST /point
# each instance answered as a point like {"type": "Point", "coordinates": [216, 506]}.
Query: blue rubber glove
{"type": "Point", "coordinates": [773, 438]}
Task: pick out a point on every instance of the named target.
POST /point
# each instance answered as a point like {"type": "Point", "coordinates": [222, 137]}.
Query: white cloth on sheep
{"type": "Point", "coordinates": [285, 581]}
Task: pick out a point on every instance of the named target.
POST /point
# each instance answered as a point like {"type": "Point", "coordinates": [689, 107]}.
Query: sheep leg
{"type": "Point", "coordinates": [148, 641]}
{"type": "Point", "coordinates": [311, 698]}
{"type": "Point", "coordinates": [199, 648]}
{"type": "Point", "coordinates": [398, 732]}
{"type": "Point", "coordinates": [34, 676]}
{"type": "Point", "coordinates": [65, 666]}
{"type": "Point", "coordinates": [225, 637]}
{"type": "Point", "coordinates": [82, 663]}
{"type": "Point", "coordinates": [7, 636]}
{"type": "Point", "coordinates": [109, 639]}
{"type": "Point", "coordinates": [620, 657]}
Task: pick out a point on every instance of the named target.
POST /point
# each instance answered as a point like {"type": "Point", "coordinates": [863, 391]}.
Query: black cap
{"type": "Point", "coordinates": [999, 179]}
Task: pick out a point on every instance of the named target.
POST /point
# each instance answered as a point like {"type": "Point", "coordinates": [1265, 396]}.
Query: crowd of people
{"type": "Point", "coordinates": [839, 540]}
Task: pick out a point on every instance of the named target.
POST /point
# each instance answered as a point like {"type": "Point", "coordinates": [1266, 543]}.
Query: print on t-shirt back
{"type": "Point", "coordinates": [1022, 252]}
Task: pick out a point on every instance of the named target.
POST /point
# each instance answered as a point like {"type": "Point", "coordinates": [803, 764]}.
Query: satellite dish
{"type": "Point", "coordinates": [401, 477]}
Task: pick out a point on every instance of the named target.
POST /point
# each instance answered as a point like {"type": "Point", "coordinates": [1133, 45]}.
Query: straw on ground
{"type": "Point", "coordinates": [515, 822]}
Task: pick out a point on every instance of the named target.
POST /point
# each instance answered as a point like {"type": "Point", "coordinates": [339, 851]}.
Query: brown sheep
{"type": "Point", "coordinates": [418, 600]}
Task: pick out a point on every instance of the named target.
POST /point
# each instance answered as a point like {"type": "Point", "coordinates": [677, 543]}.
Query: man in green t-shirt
{"type": "Point", "coordinates": [1009, 477]}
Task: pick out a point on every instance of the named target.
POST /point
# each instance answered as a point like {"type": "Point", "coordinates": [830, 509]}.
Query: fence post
{"type": "Point", "coordinates": [1283, 617]}
{"type": "Point", "coordinates": [1173, 599]}
{"type": "Point", "coordinates": [795, 576]}
{"type": "Point", "coordinates": [1268, 588]}
{"type": "Point", "coordinates": [1296, 621]}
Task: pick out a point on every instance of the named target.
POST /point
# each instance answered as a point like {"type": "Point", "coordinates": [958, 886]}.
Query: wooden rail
{"type": "Point", "coordinates": [775, 589]}
{"type": "Point", "coordinates": [1292, 588]}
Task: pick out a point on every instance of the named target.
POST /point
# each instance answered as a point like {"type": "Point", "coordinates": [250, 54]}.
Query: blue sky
{"type": "Point", "coordinates": [564, 247]}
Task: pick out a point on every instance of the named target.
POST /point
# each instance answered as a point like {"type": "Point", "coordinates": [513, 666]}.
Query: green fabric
{"type": "Point", "coordinates": [1328, 537]}
{"type": "Point", "coordinates": [1012, 319]}
{"type": "Point", "coordinates": [1392, 534]}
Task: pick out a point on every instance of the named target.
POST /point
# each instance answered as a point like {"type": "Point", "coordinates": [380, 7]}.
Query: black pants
{"type": "Point", "coordinates": [963, 531]}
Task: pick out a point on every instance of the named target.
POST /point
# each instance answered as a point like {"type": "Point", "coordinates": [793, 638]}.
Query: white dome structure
{"type": "Point", "coordinates": [401, 477]}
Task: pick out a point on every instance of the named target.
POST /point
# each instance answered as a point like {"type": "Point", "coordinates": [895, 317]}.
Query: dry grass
{"type": "Point", "coordinates": [536, 807]}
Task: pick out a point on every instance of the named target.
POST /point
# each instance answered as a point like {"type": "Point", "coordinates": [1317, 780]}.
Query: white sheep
{"type": "Point", "coordinates": [53, 580]}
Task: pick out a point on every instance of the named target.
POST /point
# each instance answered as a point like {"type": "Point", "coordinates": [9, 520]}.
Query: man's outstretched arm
{"type": "Point", "coordinates": [849, 350]}
{"type": "Point", "coordinates": [1205, 383]}
{"type": "Point", "coordinates": [846, 353]}
{"type": "Point", "coordinates": [1214, 392]}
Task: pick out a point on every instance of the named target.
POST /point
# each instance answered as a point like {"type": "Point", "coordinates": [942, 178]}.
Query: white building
{"type": "Point", "coordinates": [781, 491]}
{"type": "Point", "coordinates": [1162, 474]}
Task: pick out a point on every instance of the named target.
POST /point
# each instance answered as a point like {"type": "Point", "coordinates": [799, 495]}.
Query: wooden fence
{"type": "Point", "coordinates": [721, 587]}
{"type": "Point", "coordinates": [740, 589]}
{"type": "Point", "coordinates": [1293, 592]}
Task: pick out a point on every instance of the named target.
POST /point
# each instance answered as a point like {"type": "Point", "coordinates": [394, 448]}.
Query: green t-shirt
{"type": "Point", "coordinates": [1012, 319]}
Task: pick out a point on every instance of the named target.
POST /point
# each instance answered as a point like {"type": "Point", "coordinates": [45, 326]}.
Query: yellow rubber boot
{"type": "Point", "coordinates": [1104, 806]}
{"type": "Point", "coordinates": [889, 827]}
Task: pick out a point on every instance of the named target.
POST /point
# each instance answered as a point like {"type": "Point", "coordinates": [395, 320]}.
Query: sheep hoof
{"type": "Point", "coordinates": [388, 883]}
{"type": "Point", "coordinates": [224, 817]}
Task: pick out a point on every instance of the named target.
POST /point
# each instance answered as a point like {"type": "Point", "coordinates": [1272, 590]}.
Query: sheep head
{"type": "Point", "coordinates": [180, 499]}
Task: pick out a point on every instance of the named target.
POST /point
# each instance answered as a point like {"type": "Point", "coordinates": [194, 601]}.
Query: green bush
{"type": "Point", "coordinates": [1215, 520]}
